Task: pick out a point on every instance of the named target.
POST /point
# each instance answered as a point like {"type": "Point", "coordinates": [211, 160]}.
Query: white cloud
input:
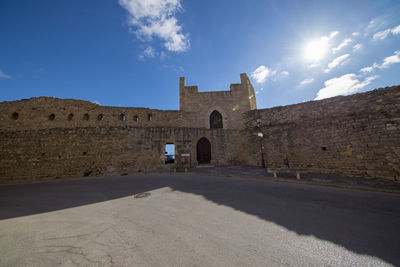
{"type": "Point", "coordinates": [381, 35]}
{"type": "Point", "coordinates": [4, 76]}
{"type": "Point", "coordinates": [384, 34]}
{"type": "Point", "coordinates": [336, 62]}
{"type": "Point", "coordinates": [285, 73]}
{"type": "Point", "coordinates": [357, 47]}
{"type": "Point", "coordinates": [261, 74]}
{"type": "Point", "coordinates": [156, 18]}
{"type": "Point", "coordinates": [306, 81]}
{"type": "Point", "coordinates": [149, 52]}
{"type": "Point", "coordinates": [355, 34]}
{"type": "Point", "coordinates": [333, 34]}
{"type": "Point", "coordinates": [342, 44]}
{"type": "Point", "coordinates": [344, 85]}
{"type": "Point", "coordinates": [375, 24]}
{"type": "Point", "coordinates": [387, 61]}
{"type": "Point", "coordinates": [314, 65]}
{"type": "Point", "coordinates": [367, 69]}
{"type": "Point", "coordinates": [396, 30]}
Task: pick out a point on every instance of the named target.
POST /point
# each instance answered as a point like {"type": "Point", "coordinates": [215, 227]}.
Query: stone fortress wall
{"type": "Point", "coordinates": [51, 137]}
{"type": "Point", "coordinates": [84, 151]}
{"type": "Point", "coordinates": [195, 108]}
{"type": "Point", "coordinates": [49, 112]}
{"type": "Point", "coordinates": [357, 136]}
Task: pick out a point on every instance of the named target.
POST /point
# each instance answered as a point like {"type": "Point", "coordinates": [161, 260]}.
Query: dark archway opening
{"type": "Point", "coordinates": [215, 120]}
{"type": "Point", "coordinates": [203, 151]}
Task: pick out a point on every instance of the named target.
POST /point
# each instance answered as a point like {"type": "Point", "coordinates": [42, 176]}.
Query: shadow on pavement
{"type": "Point", "coordinates": [363, 222]}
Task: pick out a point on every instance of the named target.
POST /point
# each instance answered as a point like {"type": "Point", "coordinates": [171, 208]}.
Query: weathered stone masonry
{"type": "Point", "coordinates": [357, 136]}
{"type": "Point", "coordinates": [50, 137]}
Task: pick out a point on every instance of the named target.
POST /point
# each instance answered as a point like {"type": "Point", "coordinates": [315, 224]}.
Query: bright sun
{"type": "Point", "coordinates": [316, 49]}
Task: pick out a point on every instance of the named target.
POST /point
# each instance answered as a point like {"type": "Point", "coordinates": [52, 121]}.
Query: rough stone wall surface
{"type": "Point", "coordinates": [49, 112]}
{"type": "Point", "coordinates": [81, 151]}
{"type": "Point", "coordinates": [231, 104]}
{"type": "Point", "coordinates": [356, 136]}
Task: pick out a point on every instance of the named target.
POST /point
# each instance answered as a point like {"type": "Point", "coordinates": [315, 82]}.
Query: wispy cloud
{"type": "Point", "coordinates": [157, 18]}
{"type": "Point", "coordinates": [261, 74]}
{"type": "Point", "coordinates": [381, 35]}
{"type": "Point", "coordinates": [355, 34]}
{"type": "Point", "coordinates": [336, 62]}
{"type": "Point", "coordinates": [4, 75]}
{"type": "Point", "coordinates": [333, 34]}
{"type": "Point", "coordinates": [343, 44]}
{"type": "Point", "coordinates": [367, 69]}
{"type": "Point", "coordinates": [396, 30]}
{"type": "Point", "coordinates": [375, 25]}
{"type": "Point", "coordinates": [357, 47]}
{"type": "Point", "coordinates": [306, 81]}
{"type": "Point", "coordinates": [285, 73]}
{"type": "Point", "coordinates": [149, 52]}
{"type": "Point", "coordinates": [344, 85]}
{"type": "Point", "coordinates": [387, 61]}
{"type": "Point", "coordinates": [385, 33]}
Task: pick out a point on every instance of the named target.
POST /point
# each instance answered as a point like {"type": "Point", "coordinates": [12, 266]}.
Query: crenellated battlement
{"type": "Point", "coordinates": [231, 104]}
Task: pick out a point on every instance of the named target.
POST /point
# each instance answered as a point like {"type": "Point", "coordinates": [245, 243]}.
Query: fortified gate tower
{"type": "Point", "coordinates": [218, 109]}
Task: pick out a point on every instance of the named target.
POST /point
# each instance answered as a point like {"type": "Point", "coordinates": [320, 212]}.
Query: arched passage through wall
{"type": "Point", "coordinates": [203, 148]}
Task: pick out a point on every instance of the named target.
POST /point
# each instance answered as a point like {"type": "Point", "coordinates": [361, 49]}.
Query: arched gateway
{"type": "Point", "coordinates": [203, 151]}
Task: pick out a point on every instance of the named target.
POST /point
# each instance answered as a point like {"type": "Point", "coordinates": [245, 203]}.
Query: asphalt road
{"type": "Point", "coordinates": [195, 221]}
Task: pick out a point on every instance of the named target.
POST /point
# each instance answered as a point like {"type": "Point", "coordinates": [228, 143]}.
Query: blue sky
{"type": "Point", "coordinates": [132, 52]}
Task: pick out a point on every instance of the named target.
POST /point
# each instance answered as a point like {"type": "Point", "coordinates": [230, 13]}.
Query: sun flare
{"type": "Point", "coordinates": [316, 49]}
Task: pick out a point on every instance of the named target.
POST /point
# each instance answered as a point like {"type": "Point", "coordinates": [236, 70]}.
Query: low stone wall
{"type": "Point", "coordinates": [356, 136]}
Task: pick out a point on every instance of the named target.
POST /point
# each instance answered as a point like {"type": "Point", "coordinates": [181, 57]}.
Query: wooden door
{"type": "Point", "coordinates": [203, 151]}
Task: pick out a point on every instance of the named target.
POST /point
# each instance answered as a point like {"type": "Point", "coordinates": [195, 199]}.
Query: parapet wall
{"type": "Point", "coordinates": [49, 112]}
{"type": "Point", "coordinates": [356, 136]}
